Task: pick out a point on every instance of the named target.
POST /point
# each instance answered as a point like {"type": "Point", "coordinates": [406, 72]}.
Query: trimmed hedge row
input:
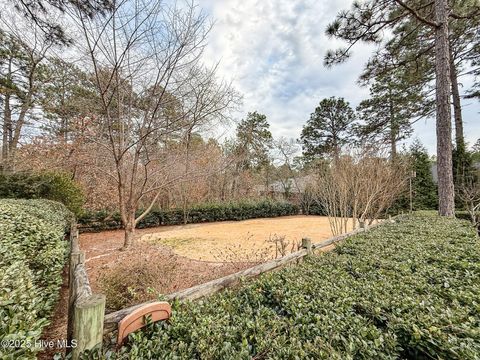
{"type": "Point", "coordinates": [32, 256]}
{"type": "Point", "coordinates": [98, 221]}
{"type": "Point", "coordinates": [408, 290]}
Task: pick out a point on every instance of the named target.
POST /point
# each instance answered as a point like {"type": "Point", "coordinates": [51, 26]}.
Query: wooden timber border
{"type": "Point", "coordinates": [86, 311]}
{"type": "Point", "coordinates": [112, 320]}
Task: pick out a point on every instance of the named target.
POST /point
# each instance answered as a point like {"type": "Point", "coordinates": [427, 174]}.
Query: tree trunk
{"type": "Point", "coordinates": [129, 238]}
{"type": "Point", "coordinates": [7, 124]}
{"type": "Point", "coordinates": [267, 183]}
{"type": "Point", "coordinates": [444, 127]}
{"type": "Point", "coordinates": [393, 130]}
{"type": "Point", "coordinates": [6, 135]}
{"type": "Point", "coordinates": [393, 147]}
{"type": "Point", "coordinates": [185, 174]}
{"type": "Point", "coordinates": [457, 109]}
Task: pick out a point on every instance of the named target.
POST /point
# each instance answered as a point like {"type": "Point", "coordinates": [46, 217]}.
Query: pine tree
{"type": "Point", "coordinates": [39, 13]}
{"type": "Point", "coordinates": [395, 101]}
{"type": "Point", "coordinates": [328, 129]}
{"type": "Point", "coordinates": [254, 140]}
{"type": "Point", "coordinates": [424, 188]}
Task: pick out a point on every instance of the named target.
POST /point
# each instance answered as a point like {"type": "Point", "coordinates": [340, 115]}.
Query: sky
{"type": "Point", "coordinates": [273, 50]}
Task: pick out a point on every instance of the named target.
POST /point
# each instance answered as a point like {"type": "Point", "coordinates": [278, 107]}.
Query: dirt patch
{"type": "Point", "coordinates": [171, 258]}
{"type": "Point", "coordinates": [57, 330]}
{"type": "Point", "coordinates": [171, 272]}
{"type": "Point", "coordinates": [250, 238]}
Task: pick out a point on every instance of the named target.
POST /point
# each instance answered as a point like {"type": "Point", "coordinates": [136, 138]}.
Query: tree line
{"type": "Point", "coordinates": [116, 94]}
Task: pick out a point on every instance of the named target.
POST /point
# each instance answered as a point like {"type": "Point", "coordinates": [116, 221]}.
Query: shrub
{"type": "Point", "coordinates": [136, 283]}
{"type": "Point", "coordinates": [102, 220]}
{"type": "Point", "coordinates": [407, 290]}
{"type": "Point", "coordinates": [32, 256]}
{"type": "Point", "coordinates": [48, 185]}
{"type": "Point", "coordinates": [314, 209]}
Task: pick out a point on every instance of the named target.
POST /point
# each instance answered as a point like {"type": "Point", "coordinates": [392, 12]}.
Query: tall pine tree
{"type": "Point", "coordinates": [329, 128]}
{"type": "Point", "coordinates": [395, 102]}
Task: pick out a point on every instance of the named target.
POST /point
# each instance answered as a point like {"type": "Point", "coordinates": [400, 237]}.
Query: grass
{"type": "Point", "coordinates": [175, 242]}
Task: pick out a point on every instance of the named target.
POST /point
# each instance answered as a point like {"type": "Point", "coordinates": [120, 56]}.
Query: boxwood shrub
{"type": "Point", "coordinates": [32, 255]}
{"type": "Point", "coordinates": [103, 220]}
{"type": "Point", "coordinates": [409, 290]}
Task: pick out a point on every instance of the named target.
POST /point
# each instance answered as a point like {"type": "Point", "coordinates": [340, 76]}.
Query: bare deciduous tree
{"type": "Point", "coordinates": [360, 186]}
{"type": "Point", "coordinates": [469, 193]}
{"type": "Point", "coordinates": [284, 152]}
{"type": "Point", "coordinates": [154, 93]}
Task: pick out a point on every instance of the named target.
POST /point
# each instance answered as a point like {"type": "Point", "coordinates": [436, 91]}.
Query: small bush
{"type": "Point", "coordinates": [32, 256]}
{"type": "Point", "coordinates": [131, 285]}
{"type": "Point", "coordinates": [125, 287]}
{"type": "Point", "coordinates": [48, 185]}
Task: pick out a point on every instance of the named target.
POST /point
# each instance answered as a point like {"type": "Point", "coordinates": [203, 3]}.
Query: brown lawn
{"type": "Point", "coordinates": [242, 240]}
{"type": "Point", "coordinates": [170, 258]}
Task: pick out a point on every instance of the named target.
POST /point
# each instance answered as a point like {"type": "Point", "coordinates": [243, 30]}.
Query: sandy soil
{"type": "Point", "coordinates": [241, 240]}
{"type": "Point", "coordinates": [171, 258]}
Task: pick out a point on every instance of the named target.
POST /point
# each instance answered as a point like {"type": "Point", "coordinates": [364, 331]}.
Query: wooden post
{"type": "Point", "coordinates": [76, 258]}
{"type": "Point", "coordinates": [88, 324]}
{"type": "Point", "coordinates": [74, 238]}
{"type": "Point", "coordinates": [362, 224]}
{"type": "Point", "coordinates": [307, 244]}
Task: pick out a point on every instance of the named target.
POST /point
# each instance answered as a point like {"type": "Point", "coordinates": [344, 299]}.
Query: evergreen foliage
{"type": "Point", "coordinates": [424, 188]}
{"type": "Point", "coordinates": [328, 129]}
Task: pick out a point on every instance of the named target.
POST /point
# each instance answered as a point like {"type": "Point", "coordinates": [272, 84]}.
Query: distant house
{"type": "Point", "coordinates": [290, 188]}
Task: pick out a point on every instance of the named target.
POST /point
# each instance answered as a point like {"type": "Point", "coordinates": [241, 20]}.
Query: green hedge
{"type": "Point", "coordinates": [97, 221]}
{"type": "Point", "coordinates": [409, 290]}
{"type": "Point", "coordinates": [313, 209]}
{"type": "Point", "coordinates": [45, 185]}
{"type": "Point", "coordinates": [32, 255]}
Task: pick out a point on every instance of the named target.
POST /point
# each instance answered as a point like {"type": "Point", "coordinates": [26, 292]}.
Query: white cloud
{"type": "Point", "coordinates": [273, 50]}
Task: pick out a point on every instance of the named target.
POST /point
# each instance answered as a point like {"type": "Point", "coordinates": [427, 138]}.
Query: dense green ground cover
{"type": "Point", "coordinates": [32, 256]}
{"type": "Point", "coordinates": [102, 220]}
{"type": "Point", "coordinates": [409, 290]}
